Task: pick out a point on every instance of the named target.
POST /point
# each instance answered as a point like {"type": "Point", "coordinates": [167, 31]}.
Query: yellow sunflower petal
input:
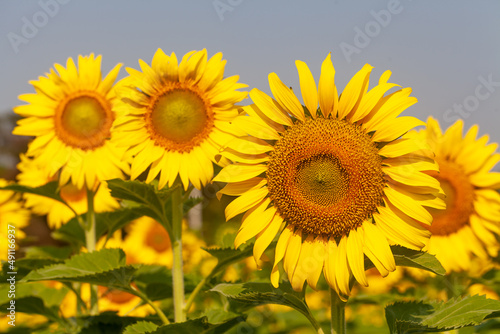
{"type": "Point", "coordinates": [239, 172]}
{"type": "Point", "coordinates": [292, 252]}
{"type": "Point", "coordinates": [355, 255]}
{"type": "Point", "coordinates": [307, 87]}
{"type": "Point", "coordinates": [285, 97]}
{"type": "Point", "coordinates": [264, 238]}
{"type": "Point", "coordinates": [327, 91]}
{"type": "Point", "coordinates": [245, 201]}
{"type": "Point", "coordinates": [270, 107]}
{"type": "Point", "coordinates": [354, 91]}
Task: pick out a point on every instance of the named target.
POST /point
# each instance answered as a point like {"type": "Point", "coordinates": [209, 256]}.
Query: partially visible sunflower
{"type": "Point", "coordinates": [176, 116]}
{"type": "Point", "coordinates": [71, 116]}
{"type": "Point", "coordinates": [470, 225]}
{"type": "Point", "coordinates": [335, 184]}
{"type": "Point", "coordinates": [148, 242]}
{"type": "Point", "coordinates": [14, 214]}
{"type": "Point", "coordinates": [32, 174]}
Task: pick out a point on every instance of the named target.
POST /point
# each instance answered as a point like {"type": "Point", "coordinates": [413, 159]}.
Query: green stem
{"type": "Point", "coordinates": [90, 239]}
{"type": "Point", "coordinates": [177, 273]}
{"type": "Point", "coordinates": [337, 313]}
{"type": "Point", "coordinates": [196, 291]}
{"type": "Point", "coordinates": [158, 311]}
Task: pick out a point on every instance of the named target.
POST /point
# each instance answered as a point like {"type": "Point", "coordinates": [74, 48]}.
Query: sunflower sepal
{"type": "Point", "coordinates": [432, 316]}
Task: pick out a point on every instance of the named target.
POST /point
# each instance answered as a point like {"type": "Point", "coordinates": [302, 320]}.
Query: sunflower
{"type": "Point", "coordinates": [12, 213]}
{"type": "Point", "coordinates": [470, 225]}
{"type": "Point", "coordinates": [335, 183]}
{"type": "Point", "coordinates": [71, 116]}
{"type": "Point", "coordinates": [176, 116]}
{"type": "Point", "coordinates": [32, 174]}
{"type": "Point", "coordinates": [148, 242]}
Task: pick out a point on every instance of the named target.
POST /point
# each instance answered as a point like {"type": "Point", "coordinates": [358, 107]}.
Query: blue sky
{"type": "Point", "coordinates": [447, 51]}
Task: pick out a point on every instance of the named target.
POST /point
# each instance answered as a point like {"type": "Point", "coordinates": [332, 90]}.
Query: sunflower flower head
{"type": "Point", "coordinates": [71, 115]}
{"type": "Point", "coordinates": [13, 216]}
{"type": "Point", "coordinates": [335, 183]}
{"type": "Point", "coordinates": [32, 174]}
{"type": "Point", "coordinates": [470, 225]}
{"type": "Point", "coordinates": [175, 116]}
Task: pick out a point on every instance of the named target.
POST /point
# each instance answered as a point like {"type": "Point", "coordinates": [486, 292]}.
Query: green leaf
{"type": "Point", "coordinates": [110, 222]}
{"type": "Point", "coordinates": [33, 305]}
{"type": "Point", "coordinates": [71, 232]}
{"type": "Point", "coordinates": [106, 223]}
{"type": "Point", "coordinates": [198, 326]}
{"type": "Point", "coordinates": [411, 317]}
{"type": "Point", "coordinates": [412, 258]}
{"type": "Point", "coordinates": [106, 323]}
{"type": "Point", "coordinates": [106, 267]}
{"type": "Point", "coordinates": [156, 281]}
{"type": "Point", "coordinates": [151, 200]}
{"type": "Point", "coordinates": [50, 296]}
{"type": "Point", "coordinates": [24, 266]}
{"type": "Point", "coordinates": [50, 190]}
{"type": "Point", "coordinates": [228, 256]}
{"type": "Point", "coordinates": [255, 293]}
{"type": "Point", "coordinates": [48, 252]}
{"type": "Point", "coordinates": [140, 327]}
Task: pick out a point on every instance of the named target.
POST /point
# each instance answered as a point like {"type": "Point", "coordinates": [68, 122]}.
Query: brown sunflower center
{"type": "Point", "coordinates": [459, 199]}
{"type": "Point", "coordinates": [83, 120]}
{"type": "Point", "coordinates": [179, 119]}
{"type": "Point", "coordinates": [115, 296]}
{"type": "Point", "coordinates": [157, 238]}
{"type": "Point", "coordinates": [321, 180]}
{"type": "Point", "coordinates": [70, 193]}
{"type": "Point", "coordinates": [325, 176]}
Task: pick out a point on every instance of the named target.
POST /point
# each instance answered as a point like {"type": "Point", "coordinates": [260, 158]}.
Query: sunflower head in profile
{"type": "Point", "coordinates": [175, 116]}
{"type": "Point", "coordinates": [470, 225]}
{"type": "Point", "coordinates": [71, 115]}
{"type": "Point", "coordinates": [335, 183]}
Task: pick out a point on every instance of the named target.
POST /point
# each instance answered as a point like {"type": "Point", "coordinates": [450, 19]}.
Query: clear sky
{"type": "Point", "coordinates": [447, 51]}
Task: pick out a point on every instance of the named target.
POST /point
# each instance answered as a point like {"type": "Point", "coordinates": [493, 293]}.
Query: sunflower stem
{"type": "Point", "coordinates": [158, 310]}
{"type": "Point", "coordinates": [90, 239]}
{"type": "Point", "coordinates": [197, 290]}
{"type": "Point", "coordinates": [177, 273]}
{"type": "Point", "coordinates": [337, 313]}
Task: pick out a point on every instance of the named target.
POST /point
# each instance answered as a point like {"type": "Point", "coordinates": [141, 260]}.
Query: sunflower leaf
{"type": "Point", "coordinates": [48, 252]}
{"type": "Point", "coordinates": [156, 281]}
{"type": "Point", "coordinates": [151, 200]}
{"type": "Point", "coordinates": [110, 222]}
{"type": "Point", "coordinates": [411, 258]}
{"type": "Point", "coordinates": [106, 267]}
{"type": "Point", "coordinates": [253, 294]}
{"type": "Point", "coordinates": [51, 297]}
{"type": "Point", "coordinates": [106, 223]}
{"type": "Point", "coordinates": [50, 190]}
{"type": "Point", "coordinates": [410, 317]}
{"type": "Point", "coordinates": [140, 327]}
{"type": "Point", "coordinates": [34, 305]}
{"type": "Point", "coordinates": [197, 326]}
{"type": "Point", "coordinates": [108, 322]}
{"type": "Point", "coordinates": [227, 256]}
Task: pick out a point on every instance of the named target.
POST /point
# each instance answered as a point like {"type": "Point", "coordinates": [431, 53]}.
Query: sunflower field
{"type": "Point", "coordinates": [180, 200]}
